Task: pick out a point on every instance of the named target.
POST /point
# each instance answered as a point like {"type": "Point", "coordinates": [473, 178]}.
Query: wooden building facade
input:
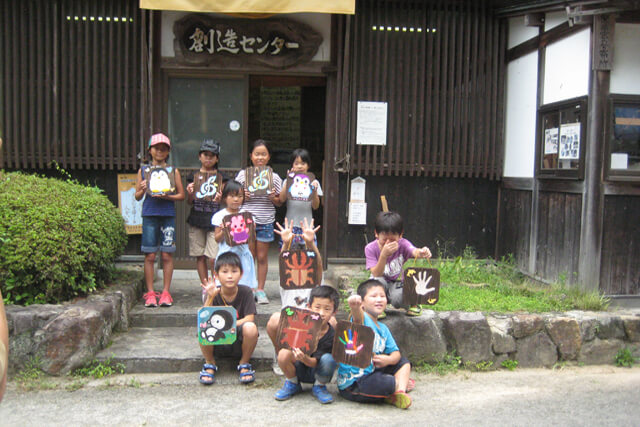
{"type": "Point", "coordinates": [85, 83]}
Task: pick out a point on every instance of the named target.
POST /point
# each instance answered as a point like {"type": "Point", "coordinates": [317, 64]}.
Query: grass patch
{"type": "Point", "coordinates": [509, 364]}
{"type": "Point", "coordinates": [448, 365]}
{"type": "Point", "coordinates": [32, 378]}
{"type": "Point", "coordinates": [624, 358]}
{"type": "Point", "coordinates": [98, 370]}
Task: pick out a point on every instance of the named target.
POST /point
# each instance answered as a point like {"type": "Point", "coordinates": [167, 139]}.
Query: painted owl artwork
{"type": "Point", "coordinates": [160, 180]}
{"type": "Point", "coordinates": [239, 229]}
{"type": "Point", "coordinates": [217, 325]}
{"type": "Point", "coordinates": [299, 186]}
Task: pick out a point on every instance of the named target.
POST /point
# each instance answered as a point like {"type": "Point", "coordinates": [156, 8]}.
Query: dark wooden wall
{"type": "Point", "coordinates": [444, 214]}
{"type": "Point", "coordinates": [620, 268]}
{"type": "Point", "coordinates": [514, 226]}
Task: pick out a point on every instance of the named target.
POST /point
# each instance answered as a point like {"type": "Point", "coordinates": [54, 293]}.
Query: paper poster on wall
{"type": "Point", "coordinates": [570, 141]}
{"type": "Point", "coordinates": [371, 127]}
{"type": "Point", "coordinates": [551, 141]}
{"type": "Point", "coordinates": [357, 213]}
{"type": "Point", "coordinates": [130, 208]}
{"type": "Point", "coordinates": [358, 187]}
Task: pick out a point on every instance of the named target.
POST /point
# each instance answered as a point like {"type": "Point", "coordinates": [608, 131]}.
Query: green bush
{"type": "Point", "coordinates": [58, 239]}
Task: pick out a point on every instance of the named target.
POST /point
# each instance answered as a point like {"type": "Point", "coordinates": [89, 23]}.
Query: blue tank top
{"type": "Point", "coordinates": [153, 206]}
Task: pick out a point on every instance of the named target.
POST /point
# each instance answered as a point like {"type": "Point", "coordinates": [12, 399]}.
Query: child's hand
{"type": "Point", "coordinates": [190, 188]}
{"type": "Point", "coordinates": [218, 197]}
{"type": "Point", "coordinates": [274, 197]}
{"type": "Point", "coordinates": [300, 356]}
{"type": "Point", "coordinates": [308, 232]}
{"type": "Point", "coordinates": [389, 249]}
{"type": "Point", "coordinates": [143, 185]}
{"type": "Point", "coordinates": [424, 252]}
{"type": "Point", "coordinates": [380, 360]}
{"type": "Point", "coordinates": [210, 287]}
{"type": "Point", "coordinates": [286, 232]}
{"type": "Point", "coordinates": [354, 301]}
{"type": "Point", "coordinates": [247, 194]}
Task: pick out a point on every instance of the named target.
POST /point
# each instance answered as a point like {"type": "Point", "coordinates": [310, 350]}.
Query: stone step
{"type": "Point", "coordinates": [173, 349]}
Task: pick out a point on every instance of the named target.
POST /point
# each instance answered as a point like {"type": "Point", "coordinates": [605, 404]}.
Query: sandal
{"type": "Point", "coordinates": [414, 311]}
{"type": "Point", "coordinates": [246, 377]}
{"type": "Point", "coordinates": [211, 376]}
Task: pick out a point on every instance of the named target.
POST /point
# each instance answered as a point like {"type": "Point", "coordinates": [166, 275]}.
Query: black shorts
{"type": "Point", "coordinates": [376, 386]}
{"type": "Point", "coordinates": [230, 350]}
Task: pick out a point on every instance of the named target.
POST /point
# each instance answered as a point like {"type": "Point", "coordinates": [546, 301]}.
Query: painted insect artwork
{"type": "Point", "coordinates": [299, 269]}
{"type": "Point", "coordinates": [299, 186]}
{"type": "Point", "coordinates": [353, 344]}
{"type": "Point", "coordinates": [259, 180]}
{"type": "Point", "coordinates": [206, 185]}
{"type": "Point", "coordinates": [421, 286]}
{"type": "Point", "coordinates": [239, 228]}
{"type": "Point", "coordinates": [299, 328]}
{"type": "Point", "coordinates": [160, 180]}
{"type": "Point", "coordinates": [217, 325]}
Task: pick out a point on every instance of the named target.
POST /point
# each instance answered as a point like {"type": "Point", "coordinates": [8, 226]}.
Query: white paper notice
{"type": "Point", "coordinates": [358, 187]}
{"type": "Point", "coordinates": [371, 128]}
{"type": "Point", "coordinates": [357, 213]}
{"type": "Point", "coordinates": [619, 161]}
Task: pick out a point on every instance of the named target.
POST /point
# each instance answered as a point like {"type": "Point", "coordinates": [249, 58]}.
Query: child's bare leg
{"type": "Point", "coordinates": [149, 260]}
{"type": "Point", "coordinates": [213, 264]}
{"type": "Point", "coordinates": [286, 362]}
{"type": "Point", "coordinates": [262, 252]}
{"type": "Point", "coordinates": [167, 270]}
{"type": "Point", "coordinates": [272, 327]}
{"type": "Point", "coordinates": [201, 268]}
{"type": "Point", "coordinates": [402, 377]}
{"type": "Point", "coordinates": [249, 342]}
{"type": "Point", "coordinates": [207, 353]}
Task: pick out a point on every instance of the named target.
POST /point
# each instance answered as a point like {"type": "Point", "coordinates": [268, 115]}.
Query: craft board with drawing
{"type": "Point", "coordinates": [217, 325]}
{"type": "Point", "coordinates": [206, 185]}
{"type": "Point", "coordinates": [353, 344]}
{"type": "Point", "coordinates": [160, 180]}
{"type": "Point", "coordinates": [239, 228]}
{"type": "Point", "coordinates": [299, 186]}
{"type": "Point", "coordinates": [421, 284]}
{"type": "Point", "coordinates": [299, 328]}
{"type": "Point", "coordinates": [299, 269]}
{"type": "Point", "coordinates": [259, 180]}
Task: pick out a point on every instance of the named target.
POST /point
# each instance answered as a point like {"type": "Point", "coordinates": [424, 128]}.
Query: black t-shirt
{"type": "Point", "coordinates": [243, 303]}
{"type": "Point", "coordinates": [201, 211]}
{"type": "Point", "coordinates": [325, 344]}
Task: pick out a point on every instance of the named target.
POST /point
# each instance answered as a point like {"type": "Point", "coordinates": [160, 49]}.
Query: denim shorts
{"type": "Point", "coordinates": [158, 233]}
{"type": "Point", "coordinates": [264, 232]}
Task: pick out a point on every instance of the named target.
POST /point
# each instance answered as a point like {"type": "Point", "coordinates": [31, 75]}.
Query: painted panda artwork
{"type": "Point", "coordinates": [216, 325]}
{"type": "Point", "coordinates": [299, 186]}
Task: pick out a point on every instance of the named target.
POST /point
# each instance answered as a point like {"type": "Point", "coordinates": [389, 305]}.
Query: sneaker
{"type": "Point", "coordinates": [276, 369]}
{"type": "Point", "coordinates": [165, 299]}
{"type": "Point", "coordinates": [150, 299]}
{"type": "Point", "coordinates": [414, 311]}
{"type": "Point", "coordinates": [261, 297]}
{"type": "Point", "coordinates": [400, 399]}
{"type": "Point", "coordinates": [322, 394]}
{"type": "Point", "coordinates": [288, 390]}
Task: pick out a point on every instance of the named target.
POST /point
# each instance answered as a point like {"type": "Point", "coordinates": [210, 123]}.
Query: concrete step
{"type": "Point", "coordinates": [173, 349]}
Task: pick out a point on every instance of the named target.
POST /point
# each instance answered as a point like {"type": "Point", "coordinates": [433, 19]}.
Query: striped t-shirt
{"type": "Point", "coordinates": [260, 206]}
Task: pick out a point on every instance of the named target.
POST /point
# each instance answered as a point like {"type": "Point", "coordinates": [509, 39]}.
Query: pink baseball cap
{"type": "Point", "coordinates": [159, 138]}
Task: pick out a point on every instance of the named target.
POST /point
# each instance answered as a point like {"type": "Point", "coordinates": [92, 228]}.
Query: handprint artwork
{"type": "Point", "coordinates": [299, 328]}
{"type": "Point", "coordinates": [421, 286]}
{"type": "Point", "coordinates": [353, 344]}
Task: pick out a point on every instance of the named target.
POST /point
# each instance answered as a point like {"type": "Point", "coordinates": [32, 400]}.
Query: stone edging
{"type": "Point", "coordinates": [65, 337]}
{"type": "Point", "coordinates": [534, 340]}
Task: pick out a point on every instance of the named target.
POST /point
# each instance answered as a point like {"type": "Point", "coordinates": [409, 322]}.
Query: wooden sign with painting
{"type": "Point", "coordinates": [217, 325]}
{"type": "Point", "coordinates": [299, 269]}
{"type": "Point", "coordinates": [239, 228]}
{"type": "Point", "coordinates": [299, 328]}
{"type": "Point", "coordinates": [353, 344]}
{"type": "Point", "coordinates": [299, 186]}
{"type": "Point", "coordinates": [258, 180]}
{"type": "Point", "coordinates": [206, 185]}
{"type": "Point", "coordinates": [160, 180]}
{"type": "Point", "coordinates": [421, 286]}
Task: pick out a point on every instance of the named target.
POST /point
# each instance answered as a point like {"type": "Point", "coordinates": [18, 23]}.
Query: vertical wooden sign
{"type": "Point", "coordinates": [603, 30]}
{"type": "Point", "coordinates": [421, 286]}
{"type": "Point", "coordinates": [239, 229]}
{"type": "Point", "coordinates": [299, 269]}
{"type": "Point", "coordinates": [259, 180]}
{"type": "Point", "coordinates": [299, 328]}
{"type": "Point", "coordinates": [217, 325]}
{"type": "Point", "coordinates": [353, 344]}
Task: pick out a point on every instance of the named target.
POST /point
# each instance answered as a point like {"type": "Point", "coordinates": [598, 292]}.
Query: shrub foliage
{"type": "Point", "coordinates": [58, 239]}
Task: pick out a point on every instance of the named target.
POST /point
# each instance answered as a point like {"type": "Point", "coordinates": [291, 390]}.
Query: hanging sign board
{"type": "Point", "coordinates": [371, 127]}
{"type": "Point", "coordinates": [130, 208]}
{"type": "Point", "coordinates": [357, 204]}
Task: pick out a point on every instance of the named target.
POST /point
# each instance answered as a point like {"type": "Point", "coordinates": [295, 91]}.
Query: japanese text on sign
{"type": "Point", "coordinates": [215, 41]}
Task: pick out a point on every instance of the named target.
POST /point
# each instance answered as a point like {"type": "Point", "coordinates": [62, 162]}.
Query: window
{"type": "Point", "coordinates": [562, 138]}
{"type": "Point", "coordinates": [623, 151]}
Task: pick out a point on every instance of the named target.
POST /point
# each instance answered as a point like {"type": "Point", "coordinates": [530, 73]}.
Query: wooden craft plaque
{"type": "Point", "coordinates": [160, 180]}
{"type": "Point", "coordinates": [239, 229]}
{"type": "Point", "coordinates": [299, 328]}
{"type": "Point", "coordinates": [299, 186]}
{"type": "Point", "coordinates": [299, 269]}
{"type": "Point", "coordinates": [353, 344]}
{"type": "Point", "coordinates": [217, 325]}
{"type": "Point", "coordinates": [206, 185]}
{"type": "Point", "coordinates": [421, 286]}
{"type": "Point", "coordinates": [259, 180]}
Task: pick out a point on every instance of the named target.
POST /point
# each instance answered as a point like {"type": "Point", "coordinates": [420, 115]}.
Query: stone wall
{"type": "Point", "coordinates": [65, 337]}
{"type": "Point", "coordinates": [534, 340]}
